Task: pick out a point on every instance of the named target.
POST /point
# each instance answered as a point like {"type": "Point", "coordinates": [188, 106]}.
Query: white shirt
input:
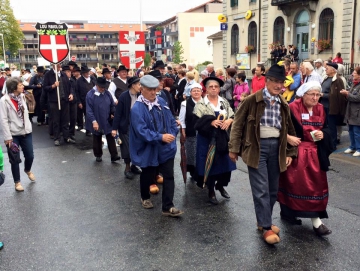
{"type": "Point", "coordinates": [314, 76]}
{"type": "Point", "coordinates": [88, 79]}
{"type": "Point", "coordinates": [111, 89]}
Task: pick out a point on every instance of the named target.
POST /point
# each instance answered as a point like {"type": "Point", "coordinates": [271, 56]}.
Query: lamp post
{"type": "Point", "coordinates": [2, 35]}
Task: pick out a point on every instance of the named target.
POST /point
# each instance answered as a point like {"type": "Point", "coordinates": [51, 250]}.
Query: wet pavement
{"type": "Point", "coordinates": [84, 215]}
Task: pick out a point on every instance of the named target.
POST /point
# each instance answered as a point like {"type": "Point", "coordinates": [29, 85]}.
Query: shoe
{"type": "Point", "coordinates": [135, 169]}
{"type": "Point", "coordinates": [39, 124]}
{"type": "Point", "coordinates": [129, 175]}
{"type": "Point", "coordinates": [116, 158]}
{"type": "Point", "coordinates": [223, 192]}
{"type": "Point", "coordinates": [154, 189]}
{"type": "Point", "coordinates": [98, 159]}
{"type": "Point", "coordinates": [173, 212]}
{"type": "Point", "coordinates": [213, 200]}
{"type": "Point", "coordinates": [291, 220]}
{"type": "Point", "coordinates": [274, 228]}
{"type": "Point", "coordinates": [31, 176]}
{"type": "Point", "coordinates": [57, 143]}
{"type": "Point", "coordinates": [349, 151]}
{"type": "Point", "coordinates": [322, 230]}
{"type": "Point", "coordinates": [88, 134]}
{"type": "Point", "coordinates": [72, 137]}
{"type": "Point", "coordinates": [79, 128]}
{"type": "Point", "coordinates": [356, 154]}
{"type": "Point", "coordinates": [159, 179]}
{"type": "Point", "coordinates": [271, 237]}
{"type": "Point", "coordinates": [70, 140]}
{"type": "Point", "coordinates": [51, 136]}
{"type": "Point", "coordinates": [147, 204]}
{"type": "Point", "coordinates": [19, 187]}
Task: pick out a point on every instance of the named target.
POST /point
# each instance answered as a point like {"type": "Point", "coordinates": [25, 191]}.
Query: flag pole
{"type": "Point", "coordinates": [58, 92]}
{"type": "Point", "coordinates": [141, 25]}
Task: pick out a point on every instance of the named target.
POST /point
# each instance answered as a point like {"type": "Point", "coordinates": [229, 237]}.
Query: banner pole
{"type": "Point", "coordinates": [58, 92]}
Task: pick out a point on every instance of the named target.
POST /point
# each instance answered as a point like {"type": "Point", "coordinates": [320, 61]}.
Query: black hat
{"type": "Point", "coordinates": [84, 69]}
{"type": "Point", "coordinates": [133, 80]}
{"type": "Point", "coordinates": [332, 64]}
{"type": "Point", "coordinates": [104, 64]}
{"type": "Point", "coordinates": [159, 64]}
{"type": "Point", "coordinates": [113, 67]}
{"type": "Point", "coordinates": [157, 74]}
{"type": "Point", "coordinates": [72, 63]}
{"type": "Point", "coordinates": [169, 68]}
{"type": "Point", "coordinates": [40, 69]}
{"type": "Point", "coordinates": [221, 82]}
{"type": "Point", "coordinates": [76, 69]}
{"type": "Point", "coordinates": [65, 68]}
{"type": "Point", "coordinates": [7, 69]}
{"type": "Point", "coordinates": [105, 70]}
{"type": "Point", "coordinates": [277, 72]}
{"type": "Point", "coordinates": [122, 68]}
{"type": "Point", "coordinates": [101, 82]}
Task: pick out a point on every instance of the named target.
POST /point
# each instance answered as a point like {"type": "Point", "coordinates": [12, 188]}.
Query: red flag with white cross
{"type": "Point", "coordinates": [53, 41]}
{"type": "Point", "coordinates": [132, 48]}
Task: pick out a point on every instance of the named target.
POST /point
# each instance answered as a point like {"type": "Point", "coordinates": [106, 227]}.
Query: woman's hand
{"type": "Point", "coordinates": [319, 135]}
{"type": "Point", "coordinates": [344, 92]}
{"type": "Point", "coordinates": [288, 161]}
{"type": "Point", "coordinates": [216, 123]}
{"type": "Point", "coordinates": [293, 140]}
{"type": "Point", "coordinates": [226, 124]}
{"type": "Point", "coordinates": [8, 142]}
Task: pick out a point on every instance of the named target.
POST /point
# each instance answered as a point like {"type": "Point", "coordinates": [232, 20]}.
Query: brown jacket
{"type": "Point", "coordinates": [245, 131]}
{"type": "Point", "coordinates": [337, 101]}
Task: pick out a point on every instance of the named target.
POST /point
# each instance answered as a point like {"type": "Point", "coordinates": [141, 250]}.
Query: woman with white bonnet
{"type": "Point", "coordinates": [303, 188]}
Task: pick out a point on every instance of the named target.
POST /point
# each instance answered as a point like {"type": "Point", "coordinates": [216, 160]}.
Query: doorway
{"type": "Point", "coordinates": [302, 34]}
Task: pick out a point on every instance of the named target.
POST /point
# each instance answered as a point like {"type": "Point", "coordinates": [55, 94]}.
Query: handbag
{"type": "Point", "coordinates": [13, 153]}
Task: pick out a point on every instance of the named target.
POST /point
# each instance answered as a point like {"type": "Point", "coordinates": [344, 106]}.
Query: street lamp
{"type": "Point", "coordinates": [2, 35]}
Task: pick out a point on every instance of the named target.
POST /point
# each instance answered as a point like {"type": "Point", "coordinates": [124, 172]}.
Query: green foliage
{"type": "Point", "coordinates": [10, 28]}
{"type": "Point", "coordinates": [147, 60]}
{"type": "Point", "coordinates": [62, 32]}
{"type": "Point", "coordinates": [41, 32]}
{"type": "Point", "coordinates": [178, 52]}
{"type": "Point", "coordinates": [158, 28]}
{"type": "Point", "coordinates": [202, 66]}
{"type": "Point", "coordinates": [51, 32]}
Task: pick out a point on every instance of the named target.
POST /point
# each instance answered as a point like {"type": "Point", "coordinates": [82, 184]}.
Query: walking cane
{"type": "Point", "coordinates": [58, 93]}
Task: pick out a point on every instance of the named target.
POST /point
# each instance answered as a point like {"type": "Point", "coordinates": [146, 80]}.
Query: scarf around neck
{"type": "Point", "coordinates": [148, 103]}
{"type": "Point", "coordinates": [20, 108]}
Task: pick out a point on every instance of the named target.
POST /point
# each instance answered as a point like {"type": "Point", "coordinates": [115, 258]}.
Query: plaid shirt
{"type": "Point", "coordinates": [272, 114]}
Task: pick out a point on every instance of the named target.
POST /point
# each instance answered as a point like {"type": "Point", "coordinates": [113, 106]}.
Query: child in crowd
{"type": "Point", "coordinates": [241, 89]}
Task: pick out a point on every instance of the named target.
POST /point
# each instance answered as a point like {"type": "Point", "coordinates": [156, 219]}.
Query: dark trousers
{"type": "Point", "coordinates": [264, 181]}
{"type": "Point", "coordinates": [81, 114]}
{"type": "Point", "coordinates": [124, 148]}
{"type": "Point", "coordinates": [25, 142]}
{"type": "Point", "coordinates": [147, 178]}
{"type": "Point", "coordinates": [60, 119]}
{"type": "Point", "coordinates": [332, 122]}
{"type": "Point", "coordinates": [38, 110]}
{"type": "Point", "coordinates": [72, 115]}
{"type": "Point", "coordinates": [97, 145]}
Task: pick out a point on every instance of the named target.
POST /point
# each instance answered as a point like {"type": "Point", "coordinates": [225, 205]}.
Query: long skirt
{"type": "Point", "coordinates": [303, 187]}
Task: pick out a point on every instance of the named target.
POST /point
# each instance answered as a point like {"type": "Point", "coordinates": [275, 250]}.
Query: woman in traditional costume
{"type": "Point", "coordinates": [303, 188]}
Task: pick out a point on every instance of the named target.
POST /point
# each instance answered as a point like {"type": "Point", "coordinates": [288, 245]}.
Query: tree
{"type": "Point", "coordinates": [10, 29]}
{"type": "Point", "coordinates": [147, 60]}
{"type": "Point", "coordinates": [178, 53]}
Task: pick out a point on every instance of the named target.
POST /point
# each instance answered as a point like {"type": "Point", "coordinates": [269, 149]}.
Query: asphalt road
{"type": "Point", "coordinates": [83, 215]}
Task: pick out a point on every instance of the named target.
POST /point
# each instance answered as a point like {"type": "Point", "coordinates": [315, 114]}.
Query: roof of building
{"type": "Point", "coordinates": [217, 35]}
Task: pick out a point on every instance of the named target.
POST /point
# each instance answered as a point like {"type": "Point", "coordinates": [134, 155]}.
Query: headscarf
{"type": "Point", "coordinates": [306, 87]}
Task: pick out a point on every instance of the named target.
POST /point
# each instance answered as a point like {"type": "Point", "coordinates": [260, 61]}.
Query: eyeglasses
{"type": "Point", "coordinates": [317, 95]}
{"type": "Point", "coordinates": [213, 86]}
{"type": "Point", "coordinates": [276, 81]}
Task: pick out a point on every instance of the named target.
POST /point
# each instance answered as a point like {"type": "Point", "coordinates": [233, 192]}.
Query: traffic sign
{"type": "Point", "coordinates": [223, 26]}
{"type": "Point", "coordinates": [73, 58]}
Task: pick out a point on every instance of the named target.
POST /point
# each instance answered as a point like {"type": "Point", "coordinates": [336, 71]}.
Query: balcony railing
{"type": "Point", "coordinates": [82, 40]}
{"type": "Point", "coordinates": [88, 59]}
{"type": "Point", "coordinates": [173, 32]}
{"type": "Point", "coordinates": [84, 49]}
{"type": "Point", "coordinates": [29, 50]}
{"type": "Point", "coordinates": [13, 60]}
{"type": "Point", "coordinates": [283, 2]}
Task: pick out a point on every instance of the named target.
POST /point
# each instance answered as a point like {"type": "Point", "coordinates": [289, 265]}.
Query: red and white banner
{"type": "Point", "coordinates": [132, 48]}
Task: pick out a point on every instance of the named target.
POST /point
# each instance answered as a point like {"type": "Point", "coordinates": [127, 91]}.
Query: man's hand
{"type": "Point", "coordinates": [293, 140]}
{"type": "Point", "coordinates": [95, 126]}
{"type": "Point", "coordinates": [288, 161]}
{"type": "Point", "coordinates": [113, 133]}
{"type": "Point", "coordinates": [71, 97]}
{"type": "Point", "coordinates": [233, 156]}
{"type": "Point", "coordinates": [56, 84]}
{"type": "Point", "coordinates": [168, 138]}
{"type": "Point", "coordinates": [344, 92]}
{"type": "Point", "coordinates": [167, 88]}
{"type": "Point", "coordinates": [80, 106]}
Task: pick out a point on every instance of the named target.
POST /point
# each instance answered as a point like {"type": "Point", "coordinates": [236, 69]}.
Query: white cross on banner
{"type": "Point", "coordinates": [132, 48]}
{"type": "Point", "coordinates": [53, 47]}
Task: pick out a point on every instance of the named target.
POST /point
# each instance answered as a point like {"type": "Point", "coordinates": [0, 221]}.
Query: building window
{"type": "Point", "coordinates": [326, 25]}
{"type": "Point", "coordinates": [233, 3]}
{"type": "Point", "coordinates": [105, 36]}
{"type": "Point", "coordinates": [252, 35]}
{"type": "Point", "coordinates": [252, 1]}
{"type": "Point", "coordinates": [81, 56]}
{"type": "Point", "coordinates": [279, 30]}
{"type": "Point", "coordinates": [234, 39]}
{"type": "Point", "coordinates": [107, 56]}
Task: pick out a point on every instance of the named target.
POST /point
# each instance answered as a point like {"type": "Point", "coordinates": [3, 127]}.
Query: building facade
{"type": "Point", "coordinates": [91, 43]}
{"type": "Point", "coordinates": [191, 28]}
{"type": "Point", "coordinates": [319, 28]}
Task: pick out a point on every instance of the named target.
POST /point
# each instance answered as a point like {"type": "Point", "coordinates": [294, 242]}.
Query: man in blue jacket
{"type": "Point", "coordinates": [153, 133]}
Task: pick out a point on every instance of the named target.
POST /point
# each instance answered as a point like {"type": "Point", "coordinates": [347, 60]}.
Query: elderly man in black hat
{"type": "Point", "coordinates": [60, 118]}
{"type": "Point", "coordinates": [83, 85]}
{"type": "Point", "coordinates": [36, 84]}
{"type": "Point", "coordinates": [120, 83]}
{"type": "Point", "coordinates": [107, 75]}
{"type": "Point", "coordinates": [159, 65]}
{"type": "Point", "coordinates": [259, 136]}
{"type": "Point", "coordinates": [100, 109]}
{"type": "Point", "coordinates": [121, 123]}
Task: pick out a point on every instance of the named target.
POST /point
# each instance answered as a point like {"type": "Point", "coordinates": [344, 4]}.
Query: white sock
{"type": "Point", "coordinates": [316, 222]}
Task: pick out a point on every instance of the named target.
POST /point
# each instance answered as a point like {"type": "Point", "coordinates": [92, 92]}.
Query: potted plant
{"type": "Point", "coordinates": [249, 49]}
{"type": "Point", "coordinates": [323, 44]}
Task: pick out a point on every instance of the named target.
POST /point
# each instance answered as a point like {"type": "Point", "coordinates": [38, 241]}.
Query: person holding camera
{"type": "Point", "coordinates": [100, 110]}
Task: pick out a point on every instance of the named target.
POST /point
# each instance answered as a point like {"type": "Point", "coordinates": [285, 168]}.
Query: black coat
{"type": "Point", "coordinates": [50, 79]}
{"type": "Point", "coordinates": [121, 120]}
{"type": "Point", "coordinates": [35, 80]}
{"type": "Point", "coordinates": [82, 88]}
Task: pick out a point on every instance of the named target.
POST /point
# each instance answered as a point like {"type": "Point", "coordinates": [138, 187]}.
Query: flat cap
{"type": "Point", "coordinates": [149, 81]}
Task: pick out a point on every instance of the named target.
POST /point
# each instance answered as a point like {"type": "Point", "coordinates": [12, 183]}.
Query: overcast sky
{"type": "Point", "coordinates": [110, 10]}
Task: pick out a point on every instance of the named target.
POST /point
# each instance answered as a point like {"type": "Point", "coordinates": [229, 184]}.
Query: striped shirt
{"type": "Point", "coordinates": [272, 114]}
